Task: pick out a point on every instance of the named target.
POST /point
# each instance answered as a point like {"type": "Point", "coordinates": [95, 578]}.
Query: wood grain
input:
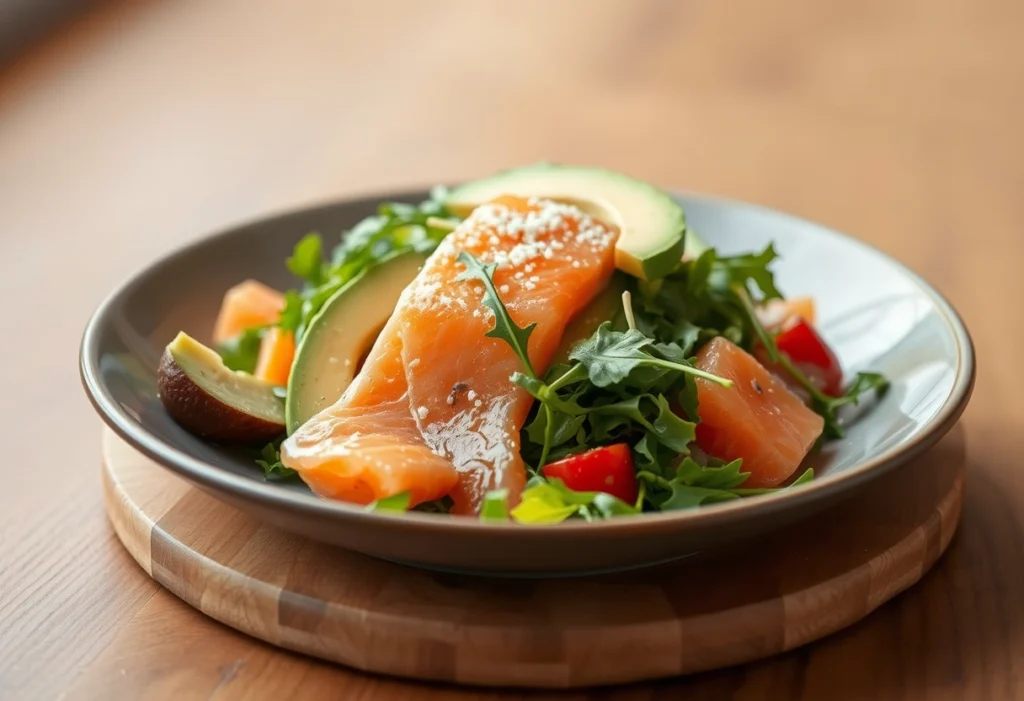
{"type": "Point", "coordinates": [146, 124]}
{"type": "Point", "coordinates": [703, 613]}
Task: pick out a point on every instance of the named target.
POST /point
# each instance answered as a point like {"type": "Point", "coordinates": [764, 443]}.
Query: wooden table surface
{"type": "Point", "coordinates": [141, 126]}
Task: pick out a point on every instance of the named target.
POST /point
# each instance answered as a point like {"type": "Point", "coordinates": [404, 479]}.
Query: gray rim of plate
{"type": "Point", "coordinates": [208, 475]}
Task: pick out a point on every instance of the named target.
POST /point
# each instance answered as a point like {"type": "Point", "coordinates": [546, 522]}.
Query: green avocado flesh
{"type": "Point", "coordinates": [211, 400]}
{"type": "Point", "coordinates": [341, 334]}
{"type": "Point", "coordinates": [652, 227]}
{"type": "Point", "coordinates": [239, 390]}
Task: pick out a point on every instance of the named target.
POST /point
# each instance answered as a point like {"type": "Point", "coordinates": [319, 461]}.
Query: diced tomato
{"type": "Point", "coordinates": [811, 354]}
{"type": "Point", "coordinates": [608, 469]}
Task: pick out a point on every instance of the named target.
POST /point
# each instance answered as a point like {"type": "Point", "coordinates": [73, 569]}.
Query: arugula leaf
{"type": "Point", "coordinates": [396, 502]}
{"type": "Point", "coordinates": [714, 294]}
{"type": "Point", "coordinates": [695, 485]}
{"type": "Point", "coordinates": [610, 356]}
{"type": "Point", "coordinates": [699, 301]}
{"type": "Point", "coordinates": [862, 384]}
{"type": "Point", "coordinates": [665, 427]}
{"type": "Point", "coordinates": [495, 506]}
{"type": "Point", "coordinates": [395, 228]}
{"type": "Point", "coordinates": [306, 261]}
{"type": "Point", "coordinates": [727, 476]}
{"type": "Point", "coordinates": [240, 353]}
{"type": "Point", "coordinates": [608, 506]}
{"type": "Point", "coordinates": [550, 501]}
{"type": "Point", "coordinates": [564, 427]}
{"type": "Point", "coordinates": [825, 405]}
{"type": "Point", "coordinates": [292, 316]}
{"type": "Point", "coordinates": [505, 327]}
{"type": "Point", "coordinates": [751, 268]}
{"type": "Point", "coordinates": [545, 394]}
{"type": "Point", "coordinates": [685, 496]}
{"type": "Point", "coordinates": [270, 461]}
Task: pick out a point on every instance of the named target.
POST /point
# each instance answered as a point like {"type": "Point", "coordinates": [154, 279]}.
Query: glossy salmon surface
{"type": "Point", "coordinates": [433, 411]}
{"type": "Point", "coordinates": [757, 419]}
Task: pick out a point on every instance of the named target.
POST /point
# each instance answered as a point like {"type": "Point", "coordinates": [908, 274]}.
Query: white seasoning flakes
{"type": "Point", "coordinates": [471, 395]}
{"type": "Point", "coordinates": [478, 403]}
{"type": "Point", "coordinates": [532, 231]}
{"type": "Point", "coordinates": [422, 412]}
{"type": "Point", "coordinates": [519, 242]}
{"type": "Point", "coordinates": [414, 362]}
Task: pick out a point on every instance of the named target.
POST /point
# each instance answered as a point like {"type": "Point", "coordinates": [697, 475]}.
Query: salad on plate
{"type": "Point", "coordinates": [548, 343]}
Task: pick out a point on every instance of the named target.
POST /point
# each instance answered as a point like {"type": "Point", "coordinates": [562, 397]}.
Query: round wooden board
{"type": "Point", "coordinates": [792, 587]}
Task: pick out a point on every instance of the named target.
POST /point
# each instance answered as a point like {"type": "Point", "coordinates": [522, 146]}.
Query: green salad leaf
{"type": "Point", "coordinates": [495, 506]}
{"type": "Point", "coordinates": [270, 461]}
{"type": "Point", "coordinates": [716, 295]}
{"type": "Point", "coordinates": [694, 485]}
{"type": "Point", "coordinates": [396, 227]}
{"type": "Point", "coordinates": [550, 501]}
{"type": "Point", "coordinates": [505, 327]}
{"type": "Point", "coordinates": [240, 353]}
{"type": "Point", "coordinates": [396, 502]}
{"type": "Point", "coordinates": [306, 261]}
{"type": "Point", "coordinates": [609, 356]}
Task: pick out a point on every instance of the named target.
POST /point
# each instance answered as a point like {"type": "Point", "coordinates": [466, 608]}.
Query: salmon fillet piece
{"type": "Point", "coordinates": [757, 419]}
{"type": "Point", "coordinates": [433, 411]}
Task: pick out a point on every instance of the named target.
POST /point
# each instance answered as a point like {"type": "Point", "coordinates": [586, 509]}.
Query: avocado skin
{"type": "Point", "coordinates": [200, 413]}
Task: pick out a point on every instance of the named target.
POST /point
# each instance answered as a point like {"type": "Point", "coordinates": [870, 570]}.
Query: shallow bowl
{"type": "Point", "coordinates": [876, 313]}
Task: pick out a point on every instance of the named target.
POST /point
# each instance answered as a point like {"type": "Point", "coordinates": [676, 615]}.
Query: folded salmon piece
{"type": "Point", "coordinates": [433, 411]}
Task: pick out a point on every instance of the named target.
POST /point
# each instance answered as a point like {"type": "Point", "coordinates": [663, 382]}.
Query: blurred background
{"type": "Point", "coordinates": [130, 127]}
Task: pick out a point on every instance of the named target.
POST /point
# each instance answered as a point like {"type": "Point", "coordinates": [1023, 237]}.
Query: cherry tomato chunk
{"type": "Point", "coordinates": [608, 469]}
{"type": "Point", "coordinates": [809, 351]}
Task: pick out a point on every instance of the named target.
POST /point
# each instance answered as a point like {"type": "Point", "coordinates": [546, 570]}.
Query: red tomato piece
{"type": "Point", "coordinates": [809, 351]}
{"type": "Point", "coordinates": [608, 469]}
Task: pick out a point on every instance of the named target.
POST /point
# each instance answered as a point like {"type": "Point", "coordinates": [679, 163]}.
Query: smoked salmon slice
{"type": "Point", "coordinates": [758, 419]}
{"type": "Point", "coordinates": [433, 410]}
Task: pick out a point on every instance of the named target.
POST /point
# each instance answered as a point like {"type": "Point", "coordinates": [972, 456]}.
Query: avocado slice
{"type": "Point", "coordinates": [209, 399]}
{"type": "Point", "coordinates": [341, 334]}
{"type": "Point", "coordinates": [606, 306]}
{"type": "Point", "coordinates": [652, 226]}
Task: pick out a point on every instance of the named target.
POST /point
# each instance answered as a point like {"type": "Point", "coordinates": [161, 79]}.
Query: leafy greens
{"type": "Point", "coordinates": [716, 295]}
{"type": "Point", "coordinates": [395, 228]}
